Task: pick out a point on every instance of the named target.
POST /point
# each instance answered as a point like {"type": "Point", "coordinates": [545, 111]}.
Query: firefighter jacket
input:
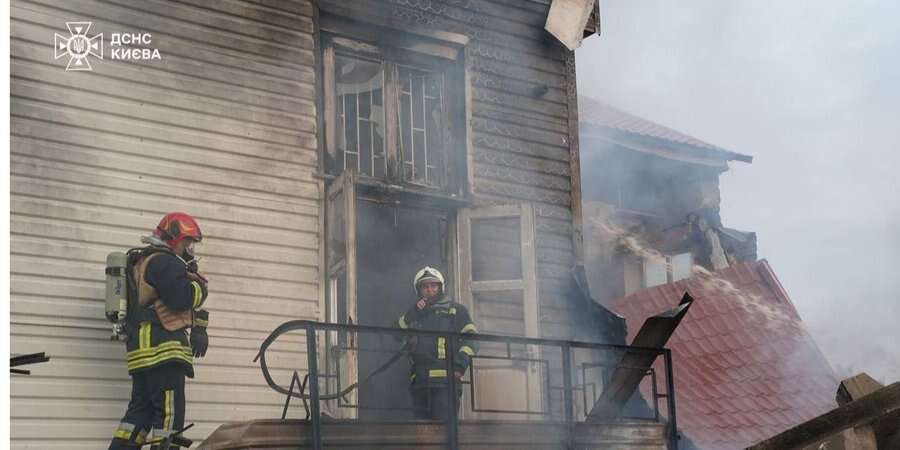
{"type": "Point", "coordinates": [169, 302]}
{"type": "Point", "coordinates": [429, 353]}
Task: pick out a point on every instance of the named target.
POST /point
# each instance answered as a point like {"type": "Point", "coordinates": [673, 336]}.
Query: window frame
{"type": "Point", "coordinates": [538, 401]}
{"type": "Point", "coordinates": [669, 265]}
{"type": "Point", "coordinates": [439, 49]}
{"type": "Point", "coordinates": [393, 50]}
{"type": "Point", "coordinates": [344, 185]}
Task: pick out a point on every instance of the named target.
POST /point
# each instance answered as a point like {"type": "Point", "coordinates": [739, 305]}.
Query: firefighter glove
{"type": "Point", "coordinates": [199, 338]}
{"type": "Point", "coordinates": [199, 341]}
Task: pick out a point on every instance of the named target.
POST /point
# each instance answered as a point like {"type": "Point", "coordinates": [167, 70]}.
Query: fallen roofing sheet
{"type": "Point", "coordinates": [632, 368]}
{"type": "Point", "coordinates": [745, 368]}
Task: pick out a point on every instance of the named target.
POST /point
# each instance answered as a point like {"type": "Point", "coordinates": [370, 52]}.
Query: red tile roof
{"type": "Point", "coordinates": [594, 112]}
{"type": "Point", "coordinates": [745, 368]}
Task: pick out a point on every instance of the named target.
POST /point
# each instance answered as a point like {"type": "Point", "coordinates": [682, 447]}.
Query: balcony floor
{"type": "Point", "coordinates": [271, 434]}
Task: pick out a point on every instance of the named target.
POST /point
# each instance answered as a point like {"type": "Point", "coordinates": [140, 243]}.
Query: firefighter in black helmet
{"type": "Point", "coordinates": [165, 296]}
{"type": "Point", "coordinates": [435, 311]}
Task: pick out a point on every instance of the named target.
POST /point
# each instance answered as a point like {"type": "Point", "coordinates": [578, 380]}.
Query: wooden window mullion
{"type": "Point", "coordinates": [430, 152]}
{"type": "Point", "coordinates": [390, 99]}
{"type": "Point", "coordinates": [331, 117]}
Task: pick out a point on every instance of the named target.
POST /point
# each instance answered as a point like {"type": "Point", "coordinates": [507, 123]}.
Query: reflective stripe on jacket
{"type": "Point", "coordinates": [169, 318]}
{"type": "Point", "coordinates": [429, 353]}
{"type": "Point", "coordinates": [151, 345]}
{"type": "Point", "coordinates": [154, 337]}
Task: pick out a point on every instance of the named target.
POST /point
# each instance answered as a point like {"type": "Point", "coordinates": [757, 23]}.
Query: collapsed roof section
{"type": "Point", "coordinates": [745, 368]}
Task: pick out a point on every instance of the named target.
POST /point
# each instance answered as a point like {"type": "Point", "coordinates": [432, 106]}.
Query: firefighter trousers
{"type": "Point", "coordinates": [432, 402]}
{"type": "Point", "coordinates": [156, 408]}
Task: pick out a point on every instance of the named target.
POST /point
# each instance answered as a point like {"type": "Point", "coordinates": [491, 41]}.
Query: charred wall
{"type": "Point", "coordinates": [227, 127]}
{"type": "Point", "coordinates": [522, 121]}
{"type": "Point", "coordinates": [665, 202]}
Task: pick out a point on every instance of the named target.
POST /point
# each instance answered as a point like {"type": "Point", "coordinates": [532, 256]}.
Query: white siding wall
{"type": "Point", "coordinates": [222, 128]}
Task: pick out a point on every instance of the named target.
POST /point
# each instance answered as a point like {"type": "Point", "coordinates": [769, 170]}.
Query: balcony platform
{"type": "Point", "coordinates": [271, 434]}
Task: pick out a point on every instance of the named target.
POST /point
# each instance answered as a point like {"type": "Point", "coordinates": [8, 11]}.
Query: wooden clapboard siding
{"type": "Point", "coordinates": [223, 127]}
{"type": "Point", "coordinates": [522, 150]}
{"type": "Point", "coordinates": [522, 146]}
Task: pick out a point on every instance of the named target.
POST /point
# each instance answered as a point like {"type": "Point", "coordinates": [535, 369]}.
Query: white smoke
{"type": "Point", "coordinates": [707, 280]}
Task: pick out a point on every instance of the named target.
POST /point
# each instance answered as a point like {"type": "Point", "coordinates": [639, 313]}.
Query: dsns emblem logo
{"type": "Point", "coordinates": [78, 45]}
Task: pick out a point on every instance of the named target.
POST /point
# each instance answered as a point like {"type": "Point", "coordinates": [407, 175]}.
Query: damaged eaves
{"type": "Point", "coordinates": [570, 21]}
{"type": "Point", "coordinates": [605, 140]}
{"type": "Point", "coordinates": [695, 154]}
{"type": "Point", "coordinates": [607, 124]}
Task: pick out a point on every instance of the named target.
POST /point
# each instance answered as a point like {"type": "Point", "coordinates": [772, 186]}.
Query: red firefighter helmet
{"type": "Point", "coordinates": [177, 226]}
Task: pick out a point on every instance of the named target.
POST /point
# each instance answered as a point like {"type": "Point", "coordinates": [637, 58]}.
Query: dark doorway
{"type": "Point", "coordinates": [393, 242]}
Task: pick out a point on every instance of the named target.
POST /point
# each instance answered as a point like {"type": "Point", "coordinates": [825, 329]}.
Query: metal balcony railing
{"type": "Point", "coordinates": [562, 379]}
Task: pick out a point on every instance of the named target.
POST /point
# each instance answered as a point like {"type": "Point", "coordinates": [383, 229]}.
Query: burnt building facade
{"type": "Point", "coordinates": [652, 203]}
{"type": "Point", "coordinates": [745, 367]}
{"type": "Point", "coordinates": [329, 149]}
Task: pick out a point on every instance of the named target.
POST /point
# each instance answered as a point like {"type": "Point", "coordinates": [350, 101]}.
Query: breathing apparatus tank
{"type": "Point", "coordinates": [116, 292]}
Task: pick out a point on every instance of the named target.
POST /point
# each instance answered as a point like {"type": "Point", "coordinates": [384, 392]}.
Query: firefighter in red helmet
{"type": "Point", "coordinates": [166, 293]}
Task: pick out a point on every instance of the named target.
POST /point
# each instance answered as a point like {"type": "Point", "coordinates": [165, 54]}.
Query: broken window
{"type": "Point", "coordinates": [681, 266]}
{"type": "Point", "coordinates": [633, 273]}
{"type": "Point", "coordinates": [388, 115]}
{"type": "Point", "coordinates": [421, 121]}
{"type": "Point", "coordinates": [668, 269]}
{"type": "Point", "coordinates": [393, 110]}
{"type": "Point", "coordinates": [359, 87]}
{"type": "Point", "coordinates": [655, 272]}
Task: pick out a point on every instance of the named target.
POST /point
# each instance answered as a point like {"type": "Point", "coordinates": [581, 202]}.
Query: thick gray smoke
{"type": "Point", "coordinates": [810, 89]}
